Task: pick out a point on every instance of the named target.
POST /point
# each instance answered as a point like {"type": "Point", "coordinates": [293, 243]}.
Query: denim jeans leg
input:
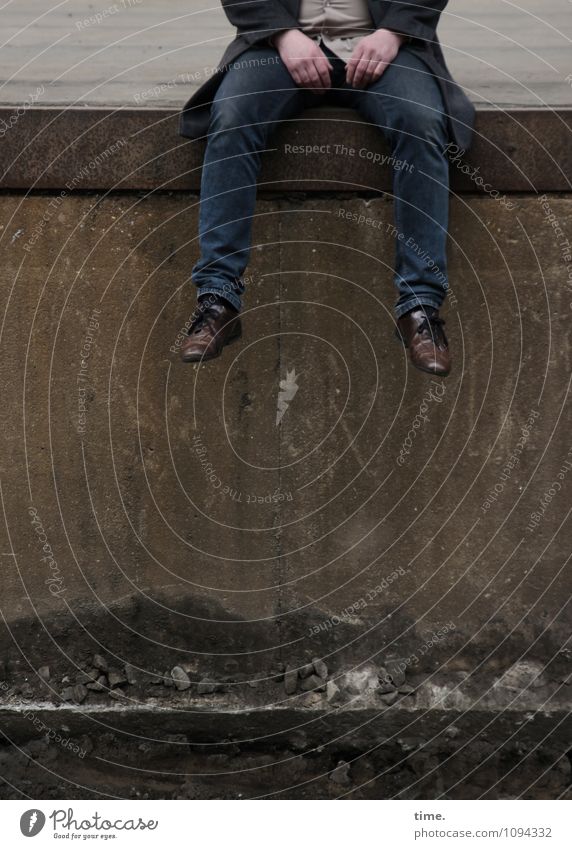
{"type": "Point", "coordinates": [407, 105]}
{"type": "Point", "coordinates": [255, 94]}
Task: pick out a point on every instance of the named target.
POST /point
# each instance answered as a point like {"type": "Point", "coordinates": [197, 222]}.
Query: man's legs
{"type": "Point", "coordinates": [255, 94]}
{"type": "Point", "coordinates": [407, 105]}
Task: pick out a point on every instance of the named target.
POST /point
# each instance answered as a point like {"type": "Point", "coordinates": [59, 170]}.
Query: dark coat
{"type": "Point", "coordinates": [256, 20]}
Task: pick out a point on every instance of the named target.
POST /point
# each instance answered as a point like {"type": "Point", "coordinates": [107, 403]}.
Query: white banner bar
{"type": "Point", "coordinates": [287, 824]}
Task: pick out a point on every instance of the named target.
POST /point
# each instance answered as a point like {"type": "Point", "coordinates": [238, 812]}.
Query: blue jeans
{"type": "Point", "coordinates": [256, 93]}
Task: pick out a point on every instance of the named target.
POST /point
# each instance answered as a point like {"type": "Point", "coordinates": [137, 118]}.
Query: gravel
{"type": "Point", "coordinates": [320, 668]}
{"type": "Point", "coordinates": [116, 678]}
{"type": "Point", "coordinates": [78, 693]}
{"type": "Point", "coordinates": [395, 670]}
{"type": "Point", "coordinates": [132, 674]}
{"type": "Point", "coordinates": [290, 680]}
{"type": "Point", "coordinates": [313, 682]}
{"type": "Point", "coordinates": [98, 686]}
{"type": "Point", "coordinates": [100, 663]}
{"type": "Point", "coordinates": [180, 678]}
{"type": "Point", "coordinates": [341, 774]}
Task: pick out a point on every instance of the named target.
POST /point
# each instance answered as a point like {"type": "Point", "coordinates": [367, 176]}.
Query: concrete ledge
{"type": "Point", "coordinates": [149, 752]}
{"type": "Point", "coordinates": [520, 150]}
{"type": "Point", "coordinates": [213, 722]}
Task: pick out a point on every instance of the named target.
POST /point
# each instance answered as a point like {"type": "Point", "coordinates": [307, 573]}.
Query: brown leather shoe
{"type": "Point", "coordinates": [421, 330]}
{"type": "Point", "coordinates": [214, 325]}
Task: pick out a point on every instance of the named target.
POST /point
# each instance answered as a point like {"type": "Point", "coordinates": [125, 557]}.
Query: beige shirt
{"type": "Point", "coordinates": [340, 24]}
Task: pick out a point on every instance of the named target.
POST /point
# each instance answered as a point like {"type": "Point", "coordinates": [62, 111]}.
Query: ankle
{"type": "Point", "coordinates": [210, 299]}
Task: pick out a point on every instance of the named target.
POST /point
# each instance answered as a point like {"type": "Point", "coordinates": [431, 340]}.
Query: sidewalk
{"type": "Point", "coordinates": [96, 52]}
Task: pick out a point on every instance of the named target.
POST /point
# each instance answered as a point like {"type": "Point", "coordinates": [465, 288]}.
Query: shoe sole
{"type": "Point", "coordinates": [432, 371]}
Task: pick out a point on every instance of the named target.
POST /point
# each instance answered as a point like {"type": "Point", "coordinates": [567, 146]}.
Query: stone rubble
{"type": "Point", "coordinates": [180, 678]}
{"type": "Point", "coordinates": [77, 694]}
{"type": "Point", "coordinates": [291, 680]}
{"type": "Point", "coordinates": [99, 685]}
{"type": "Point", "coordinates": [395, 671]}
{"type": "Point", "coordinates": [313, 682]}
{"type": "Point", "coordinates": [132, 674]}
{"type": "Point", "coordinates": [320, 668]}
{"type": "Point", "coordinates": [341, 774]}
{"type": "Point", "coordinates": [100, 663]}
{"type": "Point", "coordinates": [116, 678]}
{"type": "Point", "coordinates": [333, 692]}
{"type": "Point", "coordinates": [306, 670]}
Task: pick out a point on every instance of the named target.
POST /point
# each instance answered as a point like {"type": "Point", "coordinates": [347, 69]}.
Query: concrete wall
{"type": "Point", "coordinates": [371, 596]}
{"type": "Point", "coordinates": [161, 565]}
{"type": "Point", "coordinates": [411, 533]}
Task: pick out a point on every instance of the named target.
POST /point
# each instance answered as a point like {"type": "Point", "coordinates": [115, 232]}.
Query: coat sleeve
{"type": "Point", "coordinates": [417, 19]}
{"type": "Point", "coordinates": [258, 16]}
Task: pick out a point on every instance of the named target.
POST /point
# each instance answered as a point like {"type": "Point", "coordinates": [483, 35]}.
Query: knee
{"type": "Point", "coordinates": [415, 120]}
{"type": "Point", "coordinates": [226, 115]}
{"type": "Point", "coordinates": [231, 120]}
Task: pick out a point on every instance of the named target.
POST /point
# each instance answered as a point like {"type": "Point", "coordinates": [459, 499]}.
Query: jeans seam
{"type": "Point", "coordinates": [416, 301]}
{"type": "Point", "coordinates": [231, 297]}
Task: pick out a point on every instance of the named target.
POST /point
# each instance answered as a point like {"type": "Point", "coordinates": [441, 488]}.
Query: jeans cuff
{"type": "Point", "coordinates": [233, 299]}
{"type": "Point", "coordinates": [411, 303]}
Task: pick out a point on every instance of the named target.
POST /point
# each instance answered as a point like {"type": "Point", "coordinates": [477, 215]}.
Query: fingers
{"type": "Point", "coordinates": [374, 72]}
{"type": "Point", "coordinates": [311, 73]}
{"type": "Point", "coordinates": [304, 77]}
{"type": "Point", "coordinates": [299, 74]}
{"type": "Point", "coordinates": [352, 64]}
{"type": "Point", "coordinates": [366, 66]}
{"type": "Point", "coordinates": [366, 72]}
{"type": "Point", "coordinates": [380, 70]}
{"type": "Point", "coordinates": [323, 73]}
{"type": "Point", "coordinates": [363, 73]}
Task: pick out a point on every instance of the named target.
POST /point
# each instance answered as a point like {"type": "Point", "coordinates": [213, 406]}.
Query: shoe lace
{"type": "Point", "coordinates": [433, 325]}
{"type": "Point", "coordinates": [204, 314]}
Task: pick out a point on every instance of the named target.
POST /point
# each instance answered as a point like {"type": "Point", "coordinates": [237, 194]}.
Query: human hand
{"type": "Point", "coordinates": [372, 55]}
{"type": "Point", "coordinates": [308, 66]}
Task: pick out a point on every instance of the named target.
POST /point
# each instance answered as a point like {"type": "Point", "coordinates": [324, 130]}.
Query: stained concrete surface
{"type": "Point", "coordinates": [384, 520]}
{"type": "Point", "coordinates": [503, 53]}
{"type": "Point", "coordinates": [522, 150]}
{"type": "Point", "coordinates": [317, 508]}
{"type": "Point", "coordinates": [412, 535]}
{"type": "Point", "coordinates": [424, 760]}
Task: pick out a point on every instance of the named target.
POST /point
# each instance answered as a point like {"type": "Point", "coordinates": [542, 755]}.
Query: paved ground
{"type": "Point", "coordinates": [504, 52]}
